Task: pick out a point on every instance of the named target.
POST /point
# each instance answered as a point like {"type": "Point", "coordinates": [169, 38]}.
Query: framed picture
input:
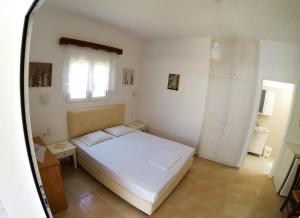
{"type": "Point", "coordinates": [128, 76]}
{"type": "Point", "coordinates": [40, 74]}
{"type": "Point", "coordinates": [173, 81]}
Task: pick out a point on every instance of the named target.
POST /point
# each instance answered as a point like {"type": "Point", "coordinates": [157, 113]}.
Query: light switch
{"type": "Point", "coordinates": [134, 93]}
{"type": "Point", "coordinates": [45, 99]}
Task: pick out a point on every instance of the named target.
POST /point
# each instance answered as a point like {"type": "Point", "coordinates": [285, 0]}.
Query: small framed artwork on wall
{"type": "Point", "coordinates": [40, 74]}
{"type": "Point", "coordinates": [128, 77]}
{"type": "Point", "coordinates": [173, 81]}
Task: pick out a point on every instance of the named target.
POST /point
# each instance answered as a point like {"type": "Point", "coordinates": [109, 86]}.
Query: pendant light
{"type": "Point", "coordinates": [216, 50]}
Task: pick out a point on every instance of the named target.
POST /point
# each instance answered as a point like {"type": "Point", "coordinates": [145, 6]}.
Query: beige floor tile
{"type": "Point", "coordinates": [259, 164]}
{"type": "Point", "coordinates": [98, 208]}
{"type": "Point", "coordinates": [131, 212]}
{"type": "Point", "coordinates": [77, 182]}
{"type": "Point", "coordinates": [74, 211]}
{"type": "Point", "coordinates": [233, 209]}
{"type": "Point", "coordinates": [111, 199]}
{"type": "Point", "coordinates": [167, 211]}
{"type": "Point", "coordinates": [197, 209]}
{"type": "Point", "coordinates": [209, 190]}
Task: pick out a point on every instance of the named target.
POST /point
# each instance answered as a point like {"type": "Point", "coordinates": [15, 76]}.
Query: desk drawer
{"type": "Point", "coordinates": [64, 154]}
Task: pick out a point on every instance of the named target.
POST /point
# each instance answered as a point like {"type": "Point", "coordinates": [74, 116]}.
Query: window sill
{"type": "Point", "coordinates": [87, 101]}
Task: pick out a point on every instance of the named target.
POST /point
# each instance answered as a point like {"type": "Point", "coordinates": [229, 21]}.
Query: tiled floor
{"type": "Point", "coordinates": [258, 164]}
{"type": "Point", "coordinates": [209, 190]}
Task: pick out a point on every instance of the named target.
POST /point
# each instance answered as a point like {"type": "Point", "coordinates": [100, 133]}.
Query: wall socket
{"type": "Point", "coordinates": [47, 133]}
{"type": "Point", "coordinates": [45, 99]}
{"type": "Point", "coordinates": [134, 93]}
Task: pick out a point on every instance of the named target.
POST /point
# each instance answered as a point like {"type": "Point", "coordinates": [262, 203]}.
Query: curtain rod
{"type": "Point", "coordinates": [80, 43]}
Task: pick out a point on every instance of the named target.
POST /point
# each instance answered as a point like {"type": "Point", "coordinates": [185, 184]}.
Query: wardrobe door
{"type": "Point", "coordinates": [247, 53]}
{"type": "Point", "coordinates": [215, 115]}
{"type": "Point", "coordinates": [237, 122]}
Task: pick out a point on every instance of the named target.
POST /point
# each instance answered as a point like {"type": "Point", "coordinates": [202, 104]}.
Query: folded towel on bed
{"type": "Point", "coordinates": [164, 159]}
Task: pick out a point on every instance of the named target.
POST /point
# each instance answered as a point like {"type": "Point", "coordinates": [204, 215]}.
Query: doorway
{"type": "Point", "coordinates": [272, 121]}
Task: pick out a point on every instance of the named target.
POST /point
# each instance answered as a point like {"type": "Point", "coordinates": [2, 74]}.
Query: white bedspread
{"type": "Point", "coordinates": [140, 162]}
{"type": "Point", "coordinates": [164, 159]}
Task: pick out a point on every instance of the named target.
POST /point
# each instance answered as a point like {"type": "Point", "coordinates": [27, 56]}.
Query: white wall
{"type": "Point", "coordinates": [281, 62]}
{"type": "Point", "coordinates": [278, 61]}
{"type": "Point", "coordinates": [176, 115]}
{"type": "Point", "coordinates": [51, 24]}
{"type": "Point", "coordinates": [293, 136]}
{"type": "Point", "coordinates": [17, 189]}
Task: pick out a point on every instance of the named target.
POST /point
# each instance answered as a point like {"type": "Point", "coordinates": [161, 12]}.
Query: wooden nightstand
{"type": "Point", "coordinates": [63, 150]}
{"type": "Point", "coordinates": [138, 126]}
{"type": "Point", "coordinates": [51, 178]}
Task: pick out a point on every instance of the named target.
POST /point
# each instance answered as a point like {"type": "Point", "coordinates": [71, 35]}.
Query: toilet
{"type": "Point", "coordinates": [267, 152]}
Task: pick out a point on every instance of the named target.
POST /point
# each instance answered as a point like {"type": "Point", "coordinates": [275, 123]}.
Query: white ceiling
{"type": "Point", "coordinates": [261, 19]}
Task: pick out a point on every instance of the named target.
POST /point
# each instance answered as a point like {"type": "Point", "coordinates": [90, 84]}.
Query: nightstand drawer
{"type": "Point", "coordinates": [64, 154]}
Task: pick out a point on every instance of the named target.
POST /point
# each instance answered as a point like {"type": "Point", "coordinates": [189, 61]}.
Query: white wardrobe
{"type": "Point", "coordinates": [229, 101]}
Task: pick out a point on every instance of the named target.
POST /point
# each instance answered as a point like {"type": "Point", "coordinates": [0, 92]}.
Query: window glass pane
{"type": "Point", "coordinates": [100, 79]}
{"type": "Point", "coordinates": [78, 79]}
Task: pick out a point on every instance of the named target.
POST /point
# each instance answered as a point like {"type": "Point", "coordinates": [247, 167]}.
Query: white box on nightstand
{"type": "Point", "coordinates": [138, 126]}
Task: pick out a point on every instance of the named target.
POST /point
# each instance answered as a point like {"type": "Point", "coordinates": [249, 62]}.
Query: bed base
{"type": "Point", "coordinates": [128, 196]}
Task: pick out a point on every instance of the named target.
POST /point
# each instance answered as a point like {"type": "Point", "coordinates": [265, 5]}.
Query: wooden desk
{"type": "Point", "coordinates": [51, 178]}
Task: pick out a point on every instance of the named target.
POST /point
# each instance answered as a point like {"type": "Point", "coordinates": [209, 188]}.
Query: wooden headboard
{"type": "Point", "coordinates": [83, 121]}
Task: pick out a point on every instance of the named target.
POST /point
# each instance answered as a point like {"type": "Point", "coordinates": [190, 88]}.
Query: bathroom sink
{"type": "Point", "coordinates": [261, 129]}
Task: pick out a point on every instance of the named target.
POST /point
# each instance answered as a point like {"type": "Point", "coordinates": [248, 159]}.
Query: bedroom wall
{"type": "Point", "coordinates": [176, 115]}
{"type": "Point", "coordinates": [49, 25]}
{"type": "Point", "coordinates": [281, 62]}
{"type": "Point", "coordinates": [293, 135]}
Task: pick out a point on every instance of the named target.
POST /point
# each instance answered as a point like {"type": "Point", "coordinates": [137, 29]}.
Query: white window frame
{"type": "Point", "coordinates": [74, 100]}
{"type": "Point", "coordinates": [92, 56]}
{"type": "Point", "coordinates": [91, 98]}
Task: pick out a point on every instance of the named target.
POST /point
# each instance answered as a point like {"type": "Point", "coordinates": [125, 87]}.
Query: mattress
{"type": "Point", "coordinates": [142, 163]}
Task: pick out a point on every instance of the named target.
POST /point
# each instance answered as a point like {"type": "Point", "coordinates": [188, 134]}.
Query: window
{"type": "Point", "coordinates": [100, 79]}
{"type": "Point", "coordinates": [89, 75]}
{"type": "Point", "coordinates": [78, 79]}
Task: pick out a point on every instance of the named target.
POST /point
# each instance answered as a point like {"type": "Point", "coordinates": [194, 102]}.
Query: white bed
{"type": "Point", "coordinates": [133, 161]}
{"type": "Point", "coordinates": [141, 168]}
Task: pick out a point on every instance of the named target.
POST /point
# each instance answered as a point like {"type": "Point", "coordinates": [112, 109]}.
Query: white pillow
{"type": "Point", "coordinates": [94, 138]}
{"type": "Point", "coordinates": [119, 130]}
